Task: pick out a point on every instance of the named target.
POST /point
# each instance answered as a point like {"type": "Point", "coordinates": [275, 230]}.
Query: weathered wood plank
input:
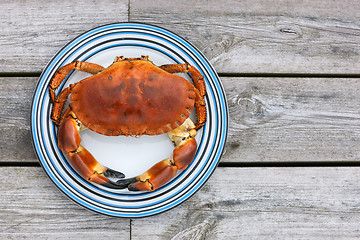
{"type": "Point", "coordinates": [236, 203]}
{"type": "Point", "coordinates": [293, 119]}
{"type": "Point", "coordinates": [15, 106]}
{"type": "Point", "coordinates": [264, 37]}
{"type": "Point", "coordinates": [33, 31]}
{"type": "Point", "coordinates": [237, 36]}
{"type": "Point", "coordinates": [32, 207]}
{"type": "Point", "coordinates": [264, 203]}
{"type": "Point", "coordinates": [271, 119]}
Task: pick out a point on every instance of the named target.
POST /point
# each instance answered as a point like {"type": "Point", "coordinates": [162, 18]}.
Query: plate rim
{"type": "Point", "coordinates": [225, 116]}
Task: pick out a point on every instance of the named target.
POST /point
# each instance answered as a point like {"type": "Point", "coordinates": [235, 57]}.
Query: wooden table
{"type": "Point", "coordinates": [291, 72]}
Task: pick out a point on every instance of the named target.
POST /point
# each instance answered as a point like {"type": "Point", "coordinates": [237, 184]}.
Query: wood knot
{"type": "Point", "coordinates": [288, 30]}
{"type": "Point", "coordinates": [246, 109]}
{"type": "Point", "coordinates": [250, 107]}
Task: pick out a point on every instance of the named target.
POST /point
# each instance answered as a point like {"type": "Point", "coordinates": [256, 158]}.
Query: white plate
{"type": "Point", "coordinates": [132, 156]}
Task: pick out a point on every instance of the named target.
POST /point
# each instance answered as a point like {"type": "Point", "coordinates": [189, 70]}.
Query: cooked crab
{"type": "Point", "coordinates": [131, 97]}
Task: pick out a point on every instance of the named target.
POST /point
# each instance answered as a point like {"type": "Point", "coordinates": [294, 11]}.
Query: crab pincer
{"type": "Point", "coordinates": [162, 172]}
{"type": "Point", "coordinates": [131, 97]}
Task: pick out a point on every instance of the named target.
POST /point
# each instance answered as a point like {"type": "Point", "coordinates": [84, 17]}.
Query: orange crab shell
{"type": "Point", "coordinates": [132, 98]}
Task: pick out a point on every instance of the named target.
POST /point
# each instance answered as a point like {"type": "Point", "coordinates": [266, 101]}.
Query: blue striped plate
{"type": "Point", "coordinates": [131, 156]}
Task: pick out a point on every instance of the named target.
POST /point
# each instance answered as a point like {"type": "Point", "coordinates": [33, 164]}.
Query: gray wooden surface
{"type": "Point", "coordinates": [291, 72]}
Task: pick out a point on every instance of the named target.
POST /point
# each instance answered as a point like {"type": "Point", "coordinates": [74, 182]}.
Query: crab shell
{"type": "Point", "coordinates": [132, 98]}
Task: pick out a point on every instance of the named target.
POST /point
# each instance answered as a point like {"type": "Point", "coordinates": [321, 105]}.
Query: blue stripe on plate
{"type": "Point", "coordinates": [214, 161]}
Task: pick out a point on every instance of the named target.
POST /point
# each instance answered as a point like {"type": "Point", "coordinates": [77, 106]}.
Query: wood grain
{"type": "Point", "coordinates": [15, 105]}
{"type": "Point", "coordinates": [259, 37]}
{"type": "Point", "coordinates": [238, 37]}
{"type": "Point", "coordinates": [293, 119]}
{"type": "Point", "coordinates": [264, 203]}
{"type": "Point", "coordinates": [32, 207]}
{"type": "Point", "coordinates": [33, 31]}
{"type": "Point", "coordinates": [236, 203]}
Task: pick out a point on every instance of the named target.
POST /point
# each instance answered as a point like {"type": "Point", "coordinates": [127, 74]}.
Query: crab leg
{"type": "Point", "coordinates": [81, 159]}
{"type": "Point", "coordinates": [60, 74]}
{"type": "Point", "coordinates": [162, 172]}
{"type": "Point", "coordinates": [59, 103]}
{"type": "Point", "coordinates": [200, 109]}
{"type": "Point", "coordinates": [199, 87]}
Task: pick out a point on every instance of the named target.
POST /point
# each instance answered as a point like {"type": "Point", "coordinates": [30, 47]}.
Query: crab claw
{"type": "Point", "coordinates": [162, 172]}
{"type": "Point", "coordinates": [80, 158]}
{"type": "Point", "coordinates": [156, 176]}
{"type": "Point", "coordinates": [87, 166]}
